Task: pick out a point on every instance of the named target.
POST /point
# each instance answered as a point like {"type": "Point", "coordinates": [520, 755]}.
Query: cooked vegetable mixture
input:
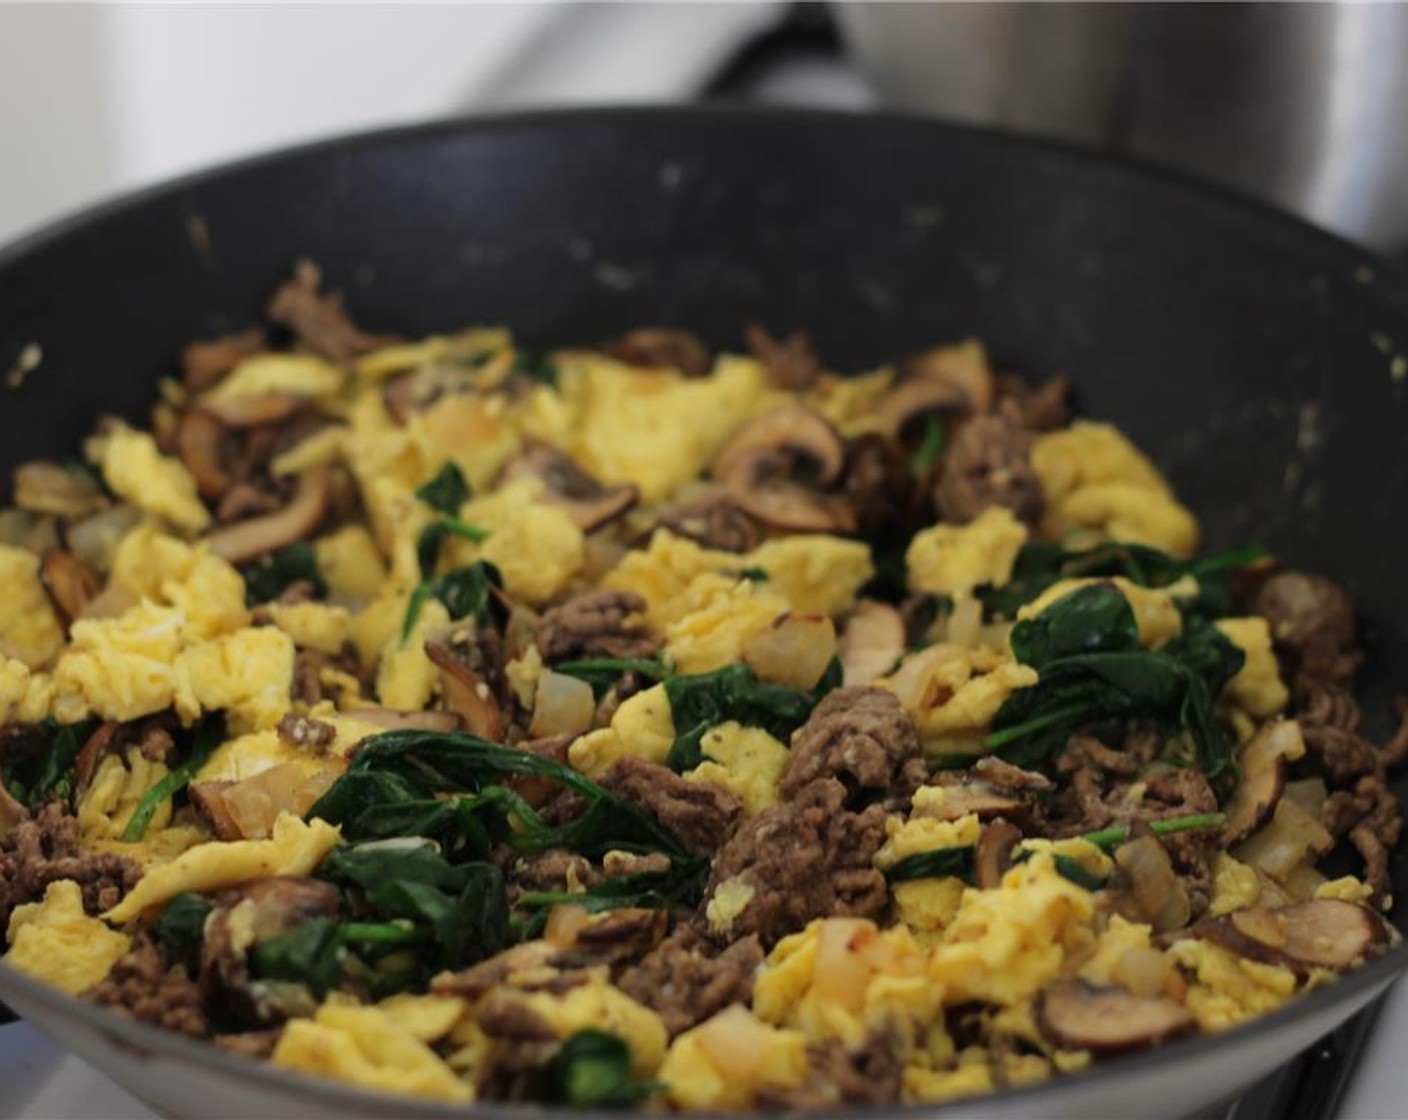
{"type": "Point", "coordinates": [643, 727]}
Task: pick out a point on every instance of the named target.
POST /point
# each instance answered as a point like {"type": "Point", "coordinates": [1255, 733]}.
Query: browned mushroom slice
{"type": "Point", "coordinates": [662, 348]}
{"type": "Point", "coordinates": [205, 363]}
{"type": "Point", "coordinates": [1263, 767]}
{"type": "Point", "coordinates": [247, 540]}
{"type": "Point", "coordinates": [590, 504]}
{"type": "Point", "coordinates": [962, 368]}
{"type": "Point", "coordinates": [871, 642]}
{"type": "Point", "coordinates": [466, 694]}
{"type": "Point", "coordinates": [791, 362]}
{"type": "Point", "coordinates": [393, 719]}
{"type": "Point", "coordinates": [61, 491]}
{"type": "Point", "coordinates": [976, 798]}
{"type": "Point", "coordinates": [251, 411]}
{"type": "Point", "coordinates": [910, 400]}
{"type": "Point", "coordinates": [208, 800]}
{"type": "Point", "coordinates": [71, 584]}
{"type": "Point", "coordinates": [1076, 1015]}
{"type": "Point", "coordinates": [200, 442]}
{"type": "Point", "coordinates": [779, 467]}
{"type": "Point", "coordinates": [85, 764]}
{"type": "Point", "coordinates": [1319, 933]}
{"type": "Point", "coordinates": [994, 855]}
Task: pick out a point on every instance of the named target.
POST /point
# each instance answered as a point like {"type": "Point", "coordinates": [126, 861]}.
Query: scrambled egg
{"type": "Point", "coordinates": [407, 678]}
{"type": "Point", "coordinates": [954, 560]}
{"type": "Point", "coordinates": [1229, 989]}
{"type": "Point", "coordinates": [746, 760]}
{"type": "Point", "coordinates": [24, 696]}
{"type": "Point", "coordinates": [1099, 486]}
{"type": "Point", "coordinates": [1004, 945]}
{"type": "Point", "coordinates": [119, 668]}
{"type": "Point", "coordinates": [350, 564]}
{"type": "Point", "coordinates": [313, 625]}
{"type": "Point", "coordinates": [56, 942]}
{"type": "Point", "coordinates": [117, 786]}
{"type": "Point", "coordinates": [845, 978]}
{"type": "Point", "coordinates": [208, 591]}
{"type": "Point", "coordinates": [299, 375]}
{"type": "Point", "coordinates": [815, 573]}
{"type": "Point", "coordinates": [723, 1062]}
{"type": "Point", "coordinates": [643, 727]}
{"type": "Point", "coordinates": [296, 848]}
{"type": "Point", "coordinates": [365, 1046]}
{"type": "Point", "coordinates": [248, 674]}
{"type": "Point", "coordinates": [474, 432]}
{"type": "Point", "coordinates": [953, 693]}
{"type": "Point", "coordinates": [1257, 687]}
{"type": "Point", "coordinates": [537, 547]}
{"type": "Point", "coordinates": [137, 472]}
{"type": "Point", "coordinates": [676, 423]}
{"type": "Point", "coordinates": [724, 614]}
{"type": "Point", "coordinates": [600, 1005]}
{"type": "Point", "coordinates": [29, 629]}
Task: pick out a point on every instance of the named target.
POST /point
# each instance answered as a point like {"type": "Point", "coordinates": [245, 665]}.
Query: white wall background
{"type": "Point", "coordinates": [96, 99]}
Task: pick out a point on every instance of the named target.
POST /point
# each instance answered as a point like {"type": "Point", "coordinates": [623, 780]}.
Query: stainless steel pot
{"type": "Point", "coordinates": [1305, 105]}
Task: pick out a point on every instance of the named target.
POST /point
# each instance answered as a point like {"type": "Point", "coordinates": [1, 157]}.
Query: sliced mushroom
{"type": "Point", "coordinates": [208, 800]}
{"type": "Point", "coordinates": [779, 469]}
{"type": "Point", "coordinates": [791, 362]}
{"type": "Point", "coordinates": [466, 693]}
{"type": "Point", "coordinates": [70, 583]}
{"type": "Point", "coordinates": [977, 798]}
{"type": "Point", "coordinates": [61, 491]}
{"type": "Point", "coordinates": [662, 348]}
{"type": "Point", "coordinates": [871, 643]}
{"type": "Point", "coordinates": [393, 719]}
{"type": "Point", "coordinates": [200, 440]}
{"type": "Point", "coordinates": [85, 764]}
{"type": "Point", "coordinates": [963, 369]}
{"type": "Point", "coordinates": [993, 858]}
{"type": "Point", "coordinates": [1263, 766]}
{"type": "Point", "coordinates": [1146, 887]}
{"type": "Point", "coordinates": [589, 503]}
{"type": "Point", "coordinates": [911, 400]}
{"type": "Point", "coordinates": [247, 540]}
{"type": "Point", "coordinates": [1076, 1015]}
{"type": "Point", "coordinates": [205, 363]}
{"type": "Point", "coordinates": [1318, 933]}
{"type": "Point", "coordinates": [251, 411]}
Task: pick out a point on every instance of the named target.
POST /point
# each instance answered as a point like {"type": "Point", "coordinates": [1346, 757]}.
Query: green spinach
{"type": "Point", "coordinates": [270, 576]}
{"type": "Point", "coordinates": [593, 1070]}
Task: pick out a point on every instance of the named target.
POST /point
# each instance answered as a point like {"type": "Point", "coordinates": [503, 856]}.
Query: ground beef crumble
{"type": "Point", "coordinates": [596, 624]}
{"type": "Point", "coordinates": [988, 463]}
{"type": "Point", "coordinates": [142, 986]}
{"type": "Point", "coordinates": [698, 813]}
{"type": "Point", "coordinates": [686, 979]}
{"type": "Point", "coordinates": [45, 849]}
{"type": "Point", "coordinates": [864, 738]}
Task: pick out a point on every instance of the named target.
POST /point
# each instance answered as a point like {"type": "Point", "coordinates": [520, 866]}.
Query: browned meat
{"type": "Point", "coordinates": [864, 738]}
{"type": "Point", "coordinates": [557, 869]}
{"type": "Point", "coordinates": [307, 676]}
{"type": "Point", "coordinates": [988, 463]}
{"type": "Point", "coordinates": [685, 981]}
{"type": "Point", "coordinates": [661, 347]}
{"type": "Point", "coordinates": [871, 1074]}
{"type": "Point", "coordinates": [1042, 407]}
{"type": "Point", "coordinates": [1373, 819]}
{"type": "Point", "coordinates": [317, 320]}
{"type": "Point", "coordinates": [715, 521]}
{"type": "Point", "coordinates": [1312, 624]}
{"type": "Point", "coordinates": [1004, 775]}
{"type": "Point", "coordinates": [700, 814]}
{"type": "Point", "coordinates": [791, 362]}
{"type": "Point", "coordinates": [1329, 719]}
{"type": "Point", "coordinates": [806, 858]}
{"type": "Point", "coordinates": [617, 938]}
{"type": "Point", "coordinates": [46, 848]}
{"type": "Point", "coordinates": [596, 624]}
{"type": "Point", "coordinates": [880, 484]}
{"type": "Point", "coordinates": [521, 1042]}
{"type": "Point", "coordinates": [205, 363]}
{"type": "Point", "coordinates": [306, 733]}
{"type": "Point", "coordinates": [141, 986]}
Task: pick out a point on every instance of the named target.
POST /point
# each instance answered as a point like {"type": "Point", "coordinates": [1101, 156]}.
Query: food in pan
{"type": "Point", "coordinates": [638, 726]}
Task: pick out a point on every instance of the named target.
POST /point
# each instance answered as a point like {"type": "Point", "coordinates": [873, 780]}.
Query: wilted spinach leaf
{"type": "Point", "coordinates": [207, 735]}
{"type": "Point", "coordinates": [603, 672]}
{"type": "Point", "coordinates": [593, 1070]}
{"type": "Point", "coordinates": [465, 592]}
{"type": "Point", "coordinates": [181, 928]}
{"type": "Point", "coordinates": [38, 764]}
{"type": "Point", "coordinates": [447, 491]}
{"type": "Point", "coordinates": [270, 576]}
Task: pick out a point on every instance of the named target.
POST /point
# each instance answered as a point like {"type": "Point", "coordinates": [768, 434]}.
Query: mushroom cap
{"type": "Point", "coordinates": [1076, 1015]}
{"type": "Point", "coordinates": [779, 467]}
{"type": "Point", "coordinates": [1263, 766]}
{"type": "Point", "coordinates": [246, 540]}
{"type": "Point", "coordinates": [1317, 933]}
{"type": "Point", "coordinates": [589, 503]}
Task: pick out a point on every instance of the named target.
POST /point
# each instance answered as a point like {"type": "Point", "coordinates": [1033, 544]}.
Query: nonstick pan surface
{"type": "Point", "coordinates": [1262, 363]}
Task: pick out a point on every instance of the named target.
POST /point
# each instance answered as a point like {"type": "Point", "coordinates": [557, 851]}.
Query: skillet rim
{"type": "Point", "coordinates": [1389, 283]}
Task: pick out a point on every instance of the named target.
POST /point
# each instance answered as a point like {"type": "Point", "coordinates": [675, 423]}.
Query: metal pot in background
{"type": "Point", "coordinates": [1305, 105]}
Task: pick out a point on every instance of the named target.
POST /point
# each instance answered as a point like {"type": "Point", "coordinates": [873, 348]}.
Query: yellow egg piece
{"type": "Point", "coordinates": [56, 942]}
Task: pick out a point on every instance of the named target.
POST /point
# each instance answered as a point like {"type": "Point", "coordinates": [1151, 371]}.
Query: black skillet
{"type": "Point", "coordinates": [1262, 363]}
